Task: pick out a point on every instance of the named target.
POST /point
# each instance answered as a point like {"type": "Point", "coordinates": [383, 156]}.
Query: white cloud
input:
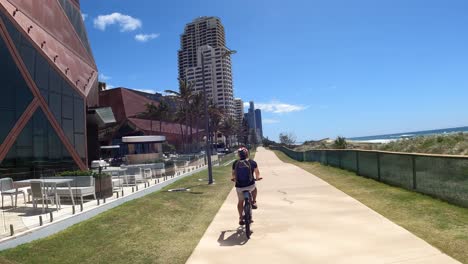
{"type": "Point", "coordinates": [110, 86]}
{"type": "Point", "coordinates": [146, 90]}
{"type": "Point", "coordinates": [277, 107]}
{"type": "Point", "coordinates": [103, 77]}
{"type": "Point", "coordinates": [126, 22]}
{"type": "Point", "coordinates": [145, 37]}
{"type": "Point", "coordinates": [84, 16]}
{"type": "Point", "coordinates": [270, 121]}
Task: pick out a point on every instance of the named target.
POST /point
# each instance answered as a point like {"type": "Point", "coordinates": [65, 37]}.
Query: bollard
{"type": "Point", "coordinates": [122, 192]}
{"type": "Point", "coordinates": [73, 209]}
{"type": "Point", "coordinates": [104, 200]}
{"type": "Point", "coordinates": [40, 220]}
{"type": "Point", "coordinates": [12, 231]}
{"type": "Point", "coordinates": [81, 207]}
{"type": "Point", "coordinates": [136, 187]}
{"type": "Point", "coordinates": [133, 189]}
{"type": "Point", "coordinates": [98, 201]}
{"type": "Point", "coordinates": [51, 217]}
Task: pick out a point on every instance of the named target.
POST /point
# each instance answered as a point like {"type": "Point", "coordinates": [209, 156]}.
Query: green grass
{"type": "Point", "coordinates": [163, 227]}
{"type": "Point", "coordinates": [442, 225]}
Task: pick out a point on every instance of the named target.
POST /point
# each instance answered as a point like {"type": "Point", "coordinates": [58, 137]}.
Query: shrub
{"type": "Point", "coordinates": [340, 143]}
{"type": "Point", "coordinates": [82, 173]}
{"type": "Point", "coordinates": [76, 173]}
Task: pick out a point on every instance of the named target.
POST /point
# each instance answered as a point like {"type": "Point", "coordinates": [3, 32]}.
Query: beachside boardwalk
{"type": "Point", "coordinates": [302, 219]}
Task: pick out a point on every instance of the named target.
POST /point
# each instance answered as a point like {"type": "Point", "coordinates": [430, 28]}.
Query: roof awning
{"type": "Point", "coordinates": [102, 116]}
{"type": "Point", "coordinates": [110, 147]}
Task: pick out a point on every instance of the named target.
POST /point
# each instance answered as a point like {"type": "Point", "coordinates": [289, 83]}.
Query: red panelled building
{"type": "Point", "coordinates": [128, 106]}
{"type": "Point", "coordinates": [48, 79]}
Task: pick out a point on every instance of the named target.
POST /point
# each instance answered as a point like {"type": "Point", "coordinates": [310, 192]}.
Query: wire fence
{"type": "Point", "coordinates": [441, 176]}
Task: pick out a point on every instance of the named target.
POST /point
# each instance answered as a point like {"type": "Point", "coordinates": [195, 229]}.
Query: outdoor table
{"type": "Point", "coordinates": [53, 181]}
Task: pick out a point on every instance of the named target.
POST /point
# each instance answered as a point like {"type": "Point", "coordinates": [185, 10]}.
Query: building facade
{"type": "Point", "coordinates": [48, 79]}
{"type": "Point", "coordinates": [204, 39]}
{"type": "Point", "coordinates": [258, 123]}
{"type": "Point", "coordinates": [238, 110]}
{"type": "Point", "coordinates": [254, 121]}
{"type": "Point", "coordinates": [128, 107]}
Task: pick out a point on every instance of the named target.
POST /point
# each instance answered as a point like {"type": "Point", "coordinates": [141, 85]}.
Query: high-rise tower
{"type": "Point", "coordinates": [205, 37]}
{"type": "Point", "coordinates": [239, 110]}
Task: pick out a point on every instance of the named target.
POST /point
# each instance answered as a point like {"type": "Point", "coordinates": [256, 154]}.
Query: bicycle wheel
{"type": "Point", "coordinates": [247, 218]}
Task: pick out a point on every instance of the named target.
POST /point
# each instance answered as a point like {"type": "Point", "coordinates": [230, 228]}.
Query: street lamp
{"type": "Point", "coordinates": [207, 125]}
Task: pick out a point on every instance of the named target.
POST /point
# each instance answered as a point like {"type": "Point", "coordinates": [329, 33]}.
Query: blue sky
{"type": "Point", "coordinates": [317, 68]}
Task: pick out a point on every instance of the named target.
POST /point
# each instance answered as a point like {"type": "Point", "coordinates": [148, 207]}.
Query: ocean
{"type": "Point", "coordinates": [391, 137]}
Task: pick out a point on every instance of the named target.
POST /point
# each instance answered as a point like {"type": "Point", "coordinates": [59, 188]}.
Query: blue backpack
{"type": "Point", "coordinates": [244, 174]}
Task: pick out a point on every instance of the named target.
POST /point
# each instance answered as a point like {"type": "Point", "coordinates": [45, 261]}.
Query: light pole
{"type": "Point", "coordinates": [207, 124]}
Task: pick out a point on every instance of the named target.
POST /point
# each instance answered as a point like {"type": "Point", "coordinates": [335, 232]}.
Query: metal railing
{"type": "Point", "coordinates": [440, 176]}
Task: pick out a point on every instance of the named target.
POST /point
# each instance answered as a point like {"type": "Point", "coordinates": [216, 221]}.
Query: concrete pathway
{"type": "Point", "coordinates": [302, 219]}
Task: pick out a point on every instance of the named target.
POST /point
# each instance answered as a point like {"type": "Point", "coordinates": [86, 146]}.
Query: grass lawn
{"type": "Point", "coordinates": [442, 225]}
{"type": "Point", "coordinates": [163, 227]}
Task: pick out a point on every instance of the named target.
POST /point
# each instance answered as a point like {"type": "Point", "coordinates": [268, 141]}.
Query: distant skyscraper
{"type": "Point", "coordinates": [251, 117]}
{"type": "Point", "coordinates": [205, 35]}
{"type": "Point", "coordinates": [254, 120]}
{"type": "Point", "coordinates": [258, 122]}
{"type": "Point", "coordinates": [238, 110]}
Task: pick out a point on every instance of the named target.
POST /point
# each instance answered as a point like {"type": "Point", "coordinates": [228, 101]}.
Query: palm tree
{"type": "Point", "coordinates": [228, 128]}
{"type": "Point", "coordinates": [155, 112]}
{"type": "Point", "coordinates": [216, 115]}
{"type": "Point", "coordinates": [180, 118]}
{"type": "Point", "coordinates": [163, 112]}
{"type": "Point", "coordinates": [184, 98]}
{"type": "Point", "coordinates": [243, 132]}
{"type": "Point", "coordinates": [196, 111]}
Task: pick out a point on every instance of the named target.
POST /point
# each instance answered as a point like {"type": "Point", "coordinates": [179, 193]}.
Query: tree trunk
{"type": "Point", "coordinates": [182, 136]}
{"type": "Point", "coordinates": [191, 134]}
{"type": "Point", "coordinates": [198, 134]}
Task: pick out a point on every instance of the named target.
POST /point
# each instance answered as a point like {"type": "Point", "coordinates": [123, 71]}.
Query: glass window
{"type": "Point", "coordinates": [67, 126]}
{"type": "Point", "coordinates": [67, 107]}
{"type": "Point", "coordinates": [55, 105]}
{"type": "Point", "coordinates": [37, 150]}
{"type": "Point", "coordinates": [15, 94]}
{"type": "Point", "coordinates": [28, 53]}
{"type": "Point", "coordinates": [80, 145]}
{"type": "Point", "coordinates": [79, 116]}
{"type": "Point", "coordinates": [41, 74]}
{"type": "Point", "coordinates": [55, 82]}
{"type": "Point", "coordinates": [63, 101]}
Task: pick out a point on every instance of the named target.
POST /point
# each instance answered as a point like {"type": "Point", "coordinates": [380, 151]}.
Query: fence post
{"type": "Point", "coordinates": [357, 162]}
{"type": "Point", "coordinates": [340, 153]}
{"type": "Point", "coordinates": [378, 166]}
{"type": "Point", "coordinates": [304, 156]}
{"type": "Point", "coordinates": [413, 157]}
{"type": "Point", "coordinates": [326, 157]}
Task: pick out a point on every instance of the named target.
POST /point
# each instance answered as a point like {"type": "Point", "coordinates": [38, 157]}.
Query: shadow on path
{"type": "Point", "coordinates": [237, 238]}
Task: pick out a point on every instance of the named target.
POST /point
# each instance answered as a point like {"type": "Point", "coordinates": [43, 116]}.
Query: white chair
{"type": "Point", "coordinates": [43, 192]}
{"type": "Point", "coordinates": [7, 188]}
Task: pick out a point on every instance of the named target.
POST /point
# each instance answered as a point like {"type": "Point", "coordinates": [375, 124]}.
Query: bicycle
{"type": "Point", "coordinates": [248, 211]}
